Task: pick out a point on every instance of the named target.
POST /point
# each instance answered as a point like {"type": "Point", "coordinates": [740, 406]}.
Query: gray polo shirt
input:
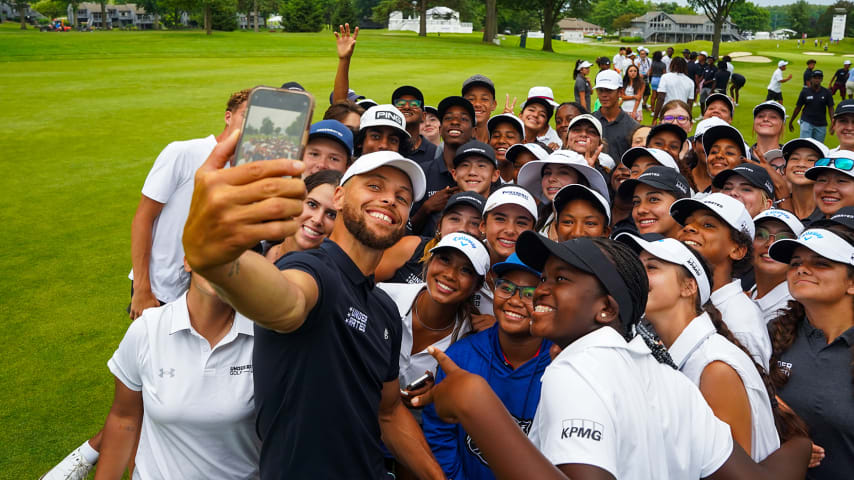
{"type": "Point", "coordinates": [617, 133]}
{"type": "Point", "coordinates": [820, 390]}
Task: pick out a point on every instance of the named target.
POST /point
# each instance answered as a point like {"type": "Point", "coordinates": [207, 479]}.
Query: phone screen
{"type": "Point", "coordinates": [275, 125]}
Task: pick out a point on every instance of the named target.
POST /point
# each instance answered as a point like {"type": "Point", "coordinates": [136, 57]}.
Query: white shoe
{"type": "Point", "coordinates": [72, 467]}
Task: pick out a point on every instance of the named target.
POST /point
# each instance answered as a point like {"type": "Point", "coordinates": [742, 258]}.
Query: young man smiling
{"type": "Point", "coordinates": [475, 168]}
{"type": "Point", "coordinates": [617, 125]}
{"type": "Point", "coordinates": [480, 91]}
{"type": "Point", "coordinates": [410, 101]}
{"type": "Point", "coordinates": [309, 305]}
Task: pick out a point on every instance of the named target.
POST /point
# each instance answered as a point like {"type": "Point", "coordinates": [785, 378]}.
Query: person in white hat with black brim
{"type": "Point", "coordinates": [775, 88]}
{"type": "Point", "coordinates": [771, 292]}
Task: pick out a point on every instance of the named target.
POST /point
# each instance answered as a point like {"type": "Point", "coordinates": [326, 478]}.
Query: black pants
{"type": "Point", "coordinates": [777, 96]}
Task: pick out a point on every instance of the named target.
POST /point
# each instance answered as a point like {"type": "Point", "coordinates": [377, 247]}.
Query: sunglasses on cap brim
{"type": "Point", "coordinates": [845, 164]}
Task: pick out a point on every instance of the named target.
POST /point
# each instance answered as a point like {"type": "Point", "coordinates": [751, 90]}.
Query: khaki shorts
{"type": "Point", "coordinates": [849, 87]}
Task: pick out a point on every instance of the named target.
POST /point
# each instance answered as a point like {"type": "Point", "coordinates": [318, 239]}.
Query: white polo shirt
{"type": "Point", "coordinates": [608, 403]}
{"type": "Point", "coordinates": [170, 182]}
{"type": "Point", "coordinates": [199, 420]}
{"type": "Point", "coordinates": [776, 84]}
{"type": "Point", "coordinates": [698, 346]}
{"type": "Point", "coordinates": [551, 136]}
{"type": "Point", "coordinates": [413, 365]}
{"type": "Point", "coordinates": [744, 320]}
{"type": "Point", "coordinates": [676, 86]}
{"type": "Point", "coordinates": [483, 300]}
{"type": "Point", "coordinates": [773, 302]}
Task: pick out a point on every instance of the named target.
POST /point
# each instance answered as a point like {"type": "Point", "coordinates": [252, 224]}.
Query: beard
{"type": "Point", "coordinates": [356, 225]}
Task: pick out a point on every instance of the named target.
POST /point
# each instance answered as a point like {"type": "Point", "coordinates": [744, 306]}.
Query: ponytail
{"type": "Point", "coordinates": [577, 68]}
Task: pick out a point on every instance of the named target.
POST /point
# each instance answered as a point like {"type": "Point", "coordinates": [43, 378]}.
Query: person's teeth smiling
{"type": "Point", "coordinates": [543, 309]}
{"type": "Point", "coordinates": [444, 288]}
{"type": "Point", "coordinates": [381, 216]}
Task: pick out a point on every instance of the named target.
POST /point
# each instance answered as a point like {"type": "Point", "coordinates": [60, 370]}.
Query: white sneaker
{"type": "Point", "coordinates": [72, 467]}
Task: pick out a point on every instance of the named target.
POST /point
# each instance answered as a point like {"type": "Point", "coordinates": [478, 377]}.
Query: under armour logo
{"type": "Point", "coordinates": [170, 372]}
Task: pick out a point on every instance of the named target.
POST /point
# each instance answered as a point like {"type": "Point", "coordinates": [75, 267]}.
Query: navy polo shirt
{"type": "Point", "coordinates": [424, 153]}
{"type": "Point", "coordinates": [438, 178]}
{"type": "Point", "coordinates": [821, 392]}
{"type": "Point", "coordinates": [318, 389]}
{"type": "Point", "coordinates": [815, 105]}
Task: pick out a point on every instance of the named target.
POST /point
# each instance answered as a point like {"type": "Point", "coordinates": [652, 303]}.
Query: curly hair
{"type": "Point", "coordinates": [742, 239]}
{"type": "Point", "coordinates": [237, 99]}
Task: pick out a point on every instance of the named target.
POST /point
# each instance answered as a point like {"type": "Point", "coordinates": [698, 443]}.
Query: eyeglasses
{"type": "Point", "coordinates": [676, 118]}
{"type": "Point", "coordinates": [411, 103]}
{"type": "Point", "coordinates": [840, 163]}
{"type": "Point", "coordinates": [765, 235]}
{"type": "Point", "coordinates": [506, 289]}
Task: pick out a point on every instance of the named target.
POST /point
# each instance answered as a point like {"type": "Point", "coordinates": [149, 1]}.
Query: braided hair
{"type": "Point", "coordinates": [784, 329]}
{"type": "Point", "coordinates": [788, 424]}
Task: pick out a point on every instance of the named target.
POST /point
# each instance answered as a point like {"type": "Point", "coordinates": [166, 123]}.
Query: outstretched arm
{"type": "Point", "coordinates": [346, 46]}
{"type": "Point", "coordinates": [789, 462]}
{"type": "Point", "coordinates": [232, 210]}
{"type": "Point", "coordinates": [121, 432]}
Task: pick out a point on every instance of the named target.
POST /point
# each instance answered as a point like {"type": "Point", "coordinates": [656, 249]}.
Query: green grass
{"type": "Point", "coordinates": [85, 116]}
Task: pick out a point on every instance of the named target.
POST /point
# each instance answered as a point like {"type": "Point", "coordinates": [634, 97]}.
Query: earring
{"type": "Point", "coordinates": [603, 314]}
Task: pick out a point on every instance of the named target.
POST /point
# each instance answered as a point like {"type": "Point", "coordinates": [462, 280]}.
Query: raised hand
{"type": "Point", "coordinates": [346, 42]}
{"type": "Point", "coordinates": [235, 208]}
{"type": "Point", "coordinates": [509, 107]}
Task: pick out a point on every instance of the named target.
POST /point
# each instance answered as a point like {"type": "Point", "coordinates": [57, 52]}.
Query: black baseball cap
{"type": "Point", "coordinates": [474, 148]}
{"type": "Point", "coordinates": [431, 109]}
{"type": "Point", "coordinates": [722, 97]}
{"type": "Point", "coordinates": [603, 61]}
{"type": "Point", "coordinates": [470, 199]}
{"type": "Point", "coordinates": [713, 134]}
{"type": "Point", "coordinates": [817, 73]}
{"type": "Point", "coordinates": [293, 86]}
{"type": "Point", "coordinates": [658, 176]}
{"type": "Point", "coordinates": [668, 127]}
{"type": "Point", "coordinates": [686, 50]}
{"type": "Point", "coordinates": [844, 107]}
{"type": "Point", "coordinates": [456, 101]}
{"type": "Point", "coordinates": [478, 81]}
{"type": "Point", "coordinates": [844, 216]}
{"type": "Point", "coordinates": [407, 90]}
{"type": "Point", "coordinates": [753, 173]}
{"type": "Point", "coordinates": [513, 120]}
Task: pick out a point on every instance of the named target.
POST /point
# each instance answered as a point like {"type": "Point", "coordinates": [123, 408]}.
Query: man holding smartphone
{"type": "Point", "coordinates": [158, 275]}
{"type": "Point", "coordinates": [326, 341]}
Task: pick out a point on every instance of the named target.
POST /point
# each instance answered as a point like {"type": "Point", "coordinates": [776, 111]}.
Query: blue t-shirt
{"type": "Point", "coordinates": [318, 388]}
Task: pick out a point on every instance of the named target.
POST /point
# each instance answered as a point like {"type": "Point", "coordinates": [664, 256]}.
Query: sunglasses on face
{"type": "Point", "coordinates": [506, 289]}
{"type": "Point", "coordinates": [841, 163]}
{"type": "Point", "coordinates": [765, 235]}
{"type": "Point", "coordinates": [411, 103]}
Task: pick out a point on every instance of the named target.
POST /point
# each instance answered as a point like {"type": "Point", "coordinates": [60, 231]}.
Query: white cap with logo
{"type": "Point", "coordinates": [511, 195]}
{"type": "Point", "coordinates": [372, 161]}
{"type": "Point", "coordinates": [784, 216]}
{"type": "Point", "coordinates": [782, 63]}
{"type": "Point", "coordinates": [823, 242]}
{"type": "Point", "coordinates": [609, 80]}
{"type": "Point", "coordinates": [469, 246]}
{"type": "Point", "coordinates": [723, 206]}
{"type": "Point", "coordinates": [383, 116]}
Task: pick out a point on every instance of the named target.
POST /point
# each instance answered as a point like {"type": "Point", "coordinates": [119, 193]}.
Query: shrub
{"type": "Point", "coordinates": [631, 39]}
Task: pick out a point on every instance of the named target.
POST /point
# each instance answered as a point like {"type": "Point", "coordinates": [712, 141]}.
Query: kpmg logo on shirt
{"type": "Point", "coordinates": [581, 428]}
{"type": "Point", "coordinates": [356, 319]}
{"type": "Point", "coordinates": [524, 424]}
{"type": "Point", "coordinates": [238, 369]}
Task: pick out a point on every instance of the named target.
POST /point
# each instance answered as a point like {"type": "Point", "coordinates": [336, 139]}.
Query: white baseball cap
{"type": "Point", "coordinates": [673, 251]}
{"type": "Point", "coordinates": [534, 149]}
{"type": "Point", "coordinates": [782, 63]}
{"type": "Point", "coordinates": [706, 124]}
{"type": "Point", "coordinates": [609, 80]}
{"type": "Point", "coordinates": [658, 155]}
{"type": "Point", "coordinates": [585, 64]}
{"type": "Point", "coordinates": [847, 62]}
{"type": "Point", "coordinates": [586, 117]}
{"type": "Point", "coordinates": [811, 143]}
{"type": "Point", "coordinates": [607, 161]}
{"type": "Point", "coordinates": [703, 53]}
{"type": "Point", "coordinates": [813, 172]}
{"type": "Point", "coordinates": [530, 175]}
{"type": "Point", "coordinates": [544, 93]}
{"type": "Point", "coordinates": [372, 161]}
{"type": "Point", "coordinates": [784, 216]}
{"type": "Point", "coordinates": [511, 195]}
{"type": "Point", "coordinates": [471, 247]}
{"type": "Point", "coordinates": [823, 242]}
{"type": "Point", "coordinates": [383, 116]}
{"type": "Point", "coordinates": [723, 206]}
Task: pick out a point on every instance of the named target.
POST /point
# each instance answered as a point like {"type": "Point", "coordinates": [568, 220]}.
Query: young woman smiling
{"type": "Point", "coordinates": [719, 227]}
{"type": "Point", "coordinates": [580, 211]}
{"type": "Point", "coordinates": [801, 154]}
{"type": "Point", "coordinates": [701, 345]}
{"type": "Point", "coordinates": [768, 118]}
{"type": "Point", "coordinates": [633, 90]}
{"type": "Point", "coordinates": [812, 339]}
{"type": "Point", "coordinates": [584, 137]}
{"type": "Point", "coordinates": [771, 293]}
{"type": "Point", "coordinates": [724, 147]}
{"type": "Point", "coordinates": [564, 114]}
{"type": "Point", "coordinates": [631, 417]}
{"type": "Point", "coordinates": [317, 218]}
{"type": "Point", "coordinates": [508, 357]}
{"type": "Point", "coordinates": [834, 181]}
{"type": "Point", "coordinates": [651, 195]}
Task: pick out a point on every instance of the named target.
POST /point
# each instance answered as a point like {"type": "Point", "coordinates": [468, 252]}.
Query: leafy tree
{"type": "Point", "coordinates": [302, 16]}
{"type": "Point", "coordinates": [266, 126]}
{"type": "Point", "coordinates": [623, 21]}
{"type": "Point", "coordinates": [51, 8]}
{"type": "Point", "coordinates": [606, 11]}
{"type": "Point", "coordinates": [748, 16]}
{"type": "Point", "coordinates": [825, 21]}
{"type": "Point", "coordinates": [224, 15]}
{"type": "Point", "coordinates": [552, 10]}
{"type": "Point", "coordinates": [344, 13]}
{"type": "Point", "coordinates": [799, 17]}
{"type": "Point", "coordinates": [716, 11]}
{"type": "Point", "coordinates": [294, 129]}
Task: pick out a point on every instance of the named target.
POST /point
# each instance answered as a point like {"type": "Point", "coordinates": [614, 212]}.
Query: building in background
{"type": "Point", "coordinates": [671, 28]}
{"type": "Point", "coordinates": [439, 20]}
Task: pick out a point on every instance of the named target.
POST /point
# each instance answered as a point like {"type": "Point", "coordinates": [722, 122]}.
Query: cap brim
{"type": "Point", "coordinates": [503, 267]}
{"type": "Point", "coordinates": [668, 127]}
{"type": "Point", "coordinates": [449, 102]}
{"type": "Point", "coordinates": [627, 189]}
{"type": "Point", "coordinates": [683, 208]}
{"type": "Point", "coordinates": [713, 134]}
{"type": "Point", "coordinates": [550, 105]}
{"type": "Point", "coordinates": [534, 250]}
{"type": "Point", "coordinates": [574, 191]}
{"type": "Point", "coordinates": [505, 118]}
{"type": "Point", "coordinates": [347, 148]}
{"type": "Point", "coordinates": [407, 166]}
{"type": "Point", "coordinates": [812, 173]}
{"type": "Point", "coordinates": [407, 90]}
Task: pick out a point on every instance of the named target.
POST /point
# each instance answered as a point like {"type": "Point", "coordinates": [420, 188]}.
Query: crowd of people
{"type": "Point", "coordinates": [556, 291]}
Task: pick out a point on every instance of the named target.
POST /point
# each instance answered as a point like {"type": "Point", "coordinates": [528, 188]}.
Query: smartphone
{"type": "Point", "coordinates": [275, 125]}
{"type": "Point", "coordinates": [419, 382]}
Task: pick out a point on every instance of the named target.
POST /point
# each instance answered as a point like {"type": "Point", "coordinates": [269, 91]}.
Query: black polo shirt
{"type": "Point", "coordinates": [820, 391]}
{"type": "Point", "coordinates": [815, 104]}
{"type": "Point", "coordinates": [841, 76]}
{"type": "Point", "coordinates": [709, 72]}
{"type": "Point", "coordinates": [438, 177]}
{"type": "Point", "coordinates": [412, 270]}
{"type": "Point", "coordinates": [618, 134]}
{"type": "Point", "coordinates": [807, 75]}
{"type": "Point", "coordinates": [318, 389]}
{"type": "Point", "coordinates": [424, 153]}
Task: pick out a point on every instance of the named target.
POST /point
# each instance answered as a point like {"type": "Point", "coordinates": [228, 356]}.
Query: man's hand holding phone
{"type": "Point", "coordinates": [418, 387]}
{"type": "Point", "coordinates": [235, 208]}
